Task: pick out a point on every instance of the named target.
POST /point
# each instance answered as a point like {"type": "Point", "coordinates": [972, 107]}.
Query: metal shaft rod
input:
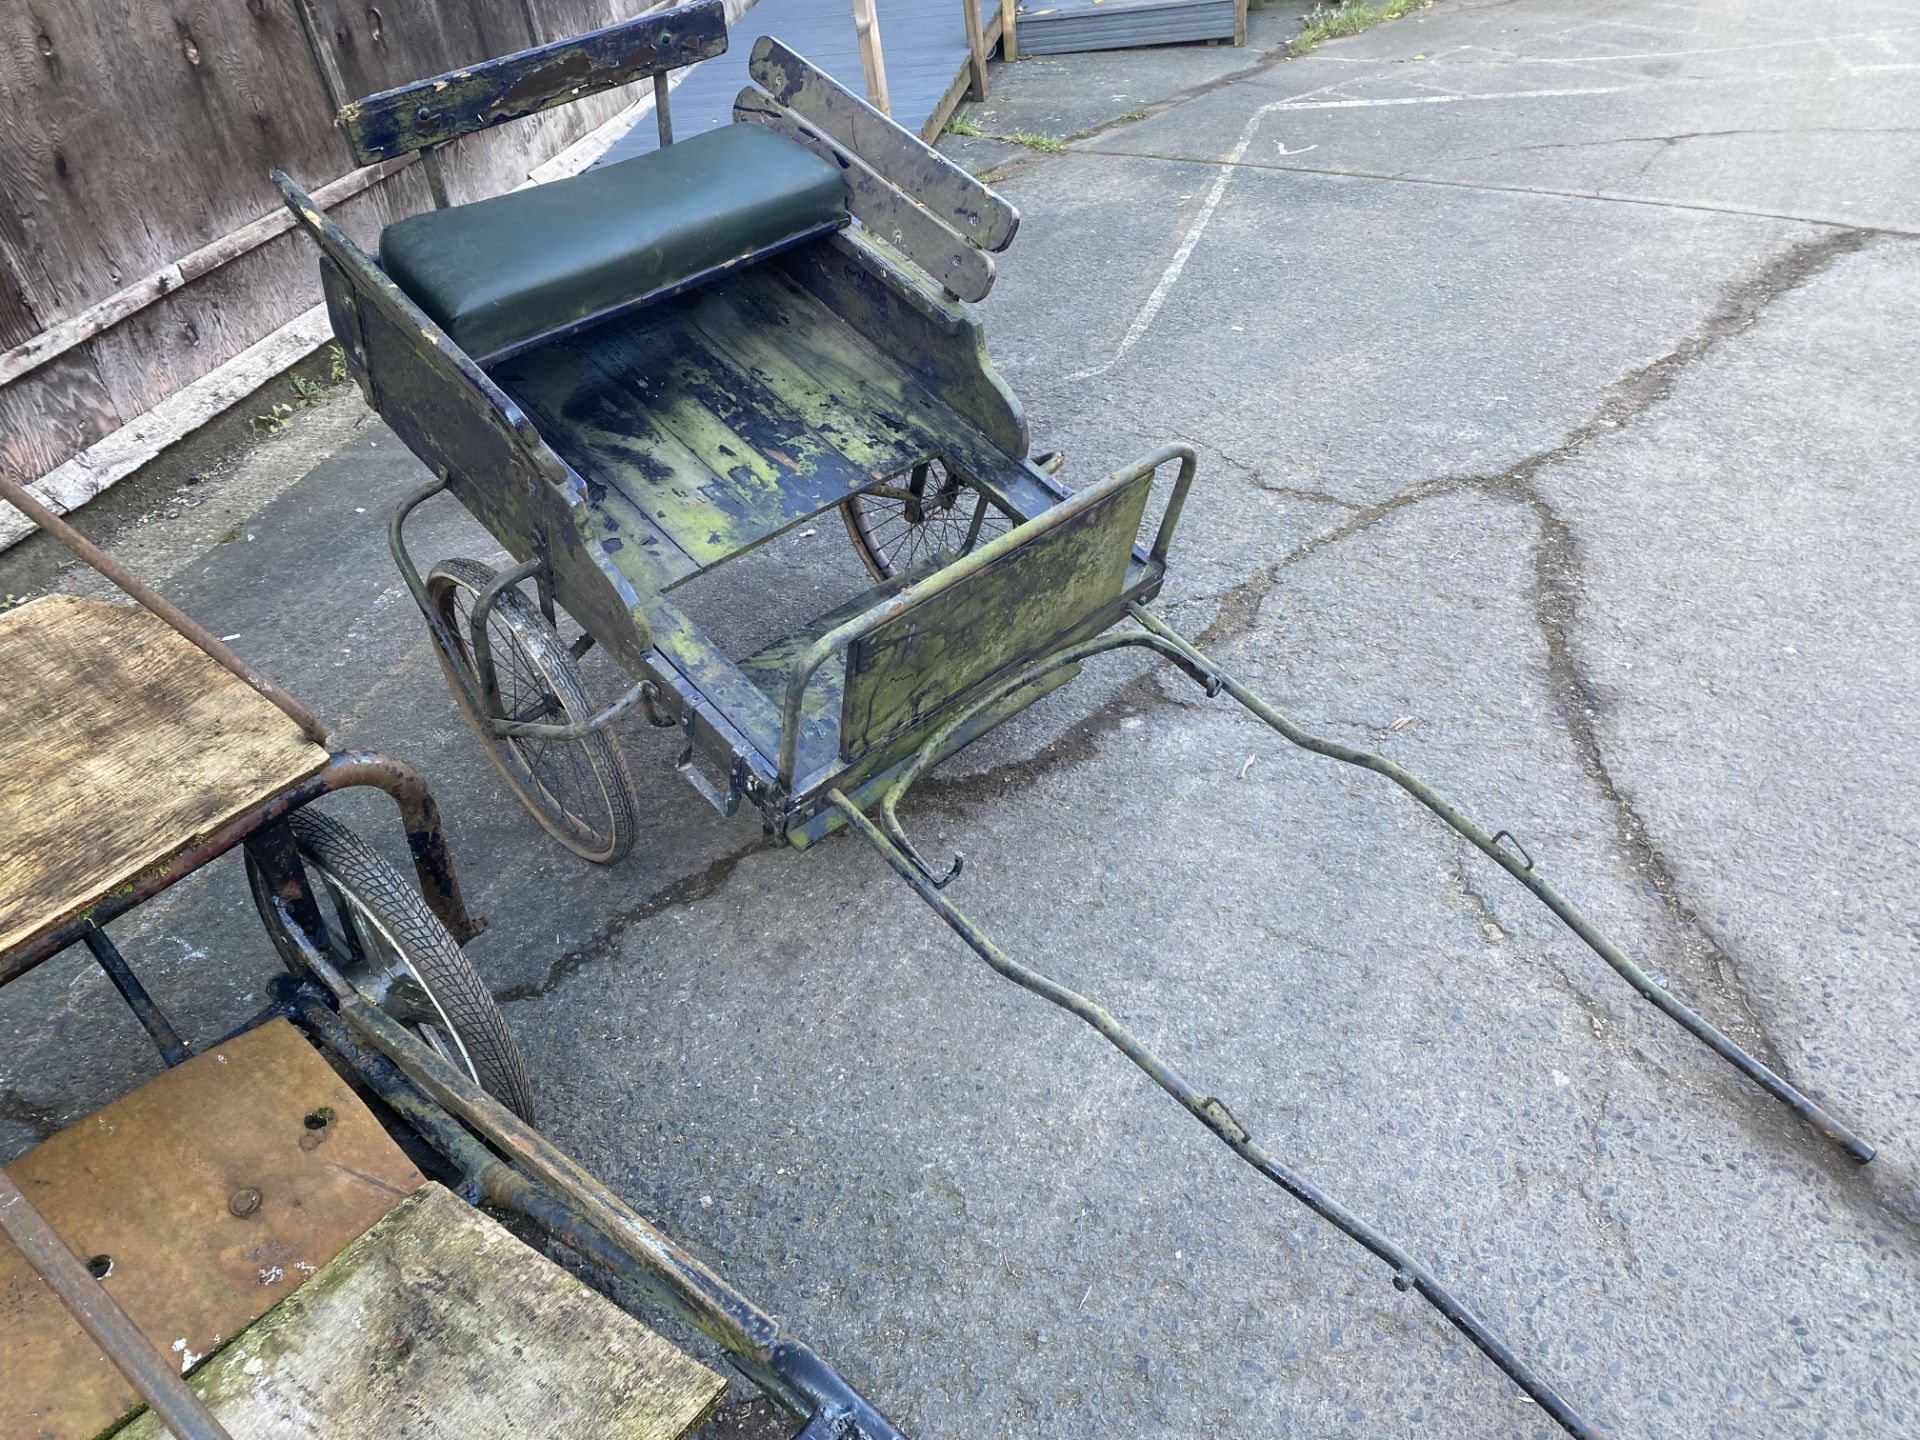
{"type": "Point", "coordinates": [153, 1374]}
{"type": "Point", "coordinates": [1851, 1144]}
{"type": "Point", "coordinates": [27, 504]}
{"type": "Point", "coordinates": [166, 1039]}
{"type": "Point", "coordinates": [584, 1212]}
{"type": "Point", "coordinates": [1409, 1274]}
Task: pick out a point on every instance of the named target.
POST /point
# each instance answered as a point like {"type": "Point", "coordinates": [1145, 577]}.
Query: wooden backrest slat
{"type": "Point", "coordinates": [887, 212]}
{"type": "Point", "coordinates": [434, 111]}
{"type": "Point", "coordinates": [903, 160]}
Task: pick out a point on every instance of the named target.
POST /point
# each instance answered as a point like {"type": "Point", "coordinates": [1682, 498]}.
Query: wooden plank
{"type": "Point", "coordinates": [861, 401]}
{"type": "Point", "coordinates": [103, 185]}
{"type": "Point", "coordinates": [911, 228]}
{"type": "Point", "coordinates": [60, 338]}
{"type": "Point", "coordinates": [437, 1324]}
{"type": "Point", "coordinates": [434, 111]}
{"type": "Point", "coordinates": [906, 161]}
{"type": "Point", "coordinates": [156, 1184]}
{"type": "Point", "coordinates": [122, 743]}
{"type": "Point", "coordinates": [1009, 37]}
{"type": "Point", "coordinates": [976, 53]}
{"type": "Point", "coordinates": [873, 63]}
{"type": "Point", "coordinates": [375, 49]}
{"type": "Point", "coordinates": [716, 460]}
{"type": "Point", "coordinates": [594, 423]}
{"type": "Point", "coordinates": [1015, 608]}
{"type": "Point", "coordinates": [940, 343]}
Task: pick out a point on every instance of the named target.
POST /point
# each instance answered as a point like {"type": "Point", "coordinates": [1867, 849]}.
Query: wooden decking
{"type": "Point", "coordinates": [439, 1325]}
{"type": "Point", "coordinates": [121, 744]}
{"type": "Point", "coordinates": [926, 53]}
{"type": "Point", "coordinates": [204, 1198]}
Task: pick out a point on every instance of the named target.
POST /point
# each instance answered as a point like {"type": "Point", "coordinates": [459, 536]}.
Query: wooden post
{"type": "Point", "coordinates": [663, 107]}
{"type": "Point", "coordinates": [1239, 22]}
{"type": "Point", "coordinates": [866, 24]}
{"type": "Point", "coordinates": [1009, 51]}
{"type": "Point", "coordinates": [977, 51]}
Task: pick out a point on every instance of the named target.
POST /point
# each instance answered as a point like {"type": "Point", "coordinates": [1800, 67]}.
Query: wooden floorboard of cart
{"type": "Point", "coordinates": [121, 743]}
{"type": "Point", "coordinates": [439, 1325]}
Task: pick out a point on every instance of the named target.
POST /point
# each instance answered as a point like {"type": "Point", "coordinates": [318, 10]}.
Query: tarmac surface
{"type": "Point", "coordinates": [1552, 368]}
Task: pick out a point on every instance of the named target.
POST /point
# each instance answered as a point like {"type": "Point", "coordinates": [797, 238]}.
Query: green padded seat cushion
{"type": "Point", "coordinates": [500, 271]}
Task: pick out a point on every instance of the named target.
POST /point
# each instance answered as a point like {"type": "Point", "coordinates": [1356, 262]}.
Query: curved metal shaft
{"type": "Point", "coordinates": [1521, 868]}
{"type": "Point", "coordinates": [1171, 645]}
{"type": "Point", "coordinates": [1408, 1273]}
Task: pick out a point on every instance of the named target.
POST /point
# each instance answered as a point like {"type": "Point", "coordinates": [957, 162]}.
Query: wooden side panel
{"type": "Point", "coordinates": [466, 429]}
{"type": "Point", "coordinates": [941, 343]}
{"type": "Point", "coordinates": [156, 1184]}
{"type": "Point", "coordinates": [1011, 611]}
{"type": "Point", "coordinates": [438, 1323]}
{"type": "Point", "coordinates": [873, 409]}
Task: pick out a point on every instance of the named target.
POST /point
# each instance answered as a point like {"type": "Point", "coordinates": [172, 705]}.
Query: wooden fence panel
{"type": "Point", "coordinates": [143, 134]}
{"type": "Point", "coordinates": [134, 135]}
{"type": "Point", "coordinates": [378, 47]}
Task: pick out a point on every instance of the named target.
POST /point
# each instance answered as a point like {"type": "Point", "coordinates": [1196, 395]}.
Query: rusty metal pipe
{"type": "Point", "coordinates": [152, 1373]}
{"type": "Point", "coordinates": [1520, 866]}
{"type": "Point", "coordinates": [419, 817]}
{"type": "Point", "coordinates": [216, 650]}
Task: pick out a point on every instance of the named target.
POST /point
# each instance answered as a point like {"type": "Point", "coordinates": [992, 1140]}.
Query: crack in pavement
{"type": "Point", "coordinates": [687, 890]}
{"type": "Point", "coordinates": [1556, 580]}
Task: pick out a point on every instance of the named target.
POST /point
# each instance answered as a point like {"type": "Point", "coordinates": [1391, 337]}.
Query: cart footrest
{"type": "Point", "coordinates": [770, 667]}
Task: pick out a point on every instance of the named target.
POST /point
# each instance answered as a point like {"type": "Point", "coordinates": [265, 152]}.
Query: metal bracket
{"type": "Point", "coordinates": [727, 804]}
{"type": "Point", "coordinates": [1519, 849]}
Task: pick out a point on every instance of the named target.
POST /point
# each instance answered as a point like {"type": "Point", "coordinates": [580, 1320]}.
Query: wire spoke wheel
{"type": "Point", "coordinates": [579, 790]}
{"type": "Point", "coordinates": [396, 954]}
{"type": "Point", "coordinates": [935, 513]}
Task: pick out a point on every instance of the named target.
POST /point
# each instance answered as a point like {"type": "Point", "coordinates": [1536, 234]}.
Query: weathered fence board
{"type": "Point", "coordinates": [133, 157]}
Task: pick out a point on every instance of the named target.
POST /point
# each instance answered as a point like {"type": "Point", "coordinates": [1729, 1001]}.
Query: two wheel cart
{"type": "Point", "coordinates": [637, 375]}
{"type": "Point", "coordinates": [634, 376]}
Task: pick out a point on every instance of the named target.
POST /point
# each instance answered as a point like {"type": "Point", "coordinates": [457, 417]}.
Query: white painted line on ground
{"type": "Point", "coordinates": [1195, 230]}
{"type": "Point", "coordinates": [1303, 101]}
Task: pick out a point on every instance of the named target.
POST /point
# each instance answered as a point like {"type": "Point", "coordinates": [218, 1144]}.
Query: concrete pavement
{"type": "Point", "coordinates": [1551, 366]}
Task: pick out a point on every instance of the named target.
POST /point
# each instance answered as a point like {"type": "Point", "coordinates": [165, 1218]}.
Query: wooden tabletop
{"type": "Point", "coordinates": [121, 744]}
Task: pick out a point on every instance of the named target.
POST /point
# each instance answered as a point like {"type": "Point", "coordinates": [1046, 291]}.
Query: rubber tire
{"type": "Point", "coordinates": [421, 941]}
{"type": "Point", "coordinates": [544, 649]}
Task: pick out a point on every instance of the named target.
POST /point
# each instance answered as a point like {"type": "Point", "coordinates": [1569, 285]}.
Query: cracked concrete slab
{"type": "Point", "coordinates": [1595, 513]}
{"type": "Point", "coordinates": [1779, 111]}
